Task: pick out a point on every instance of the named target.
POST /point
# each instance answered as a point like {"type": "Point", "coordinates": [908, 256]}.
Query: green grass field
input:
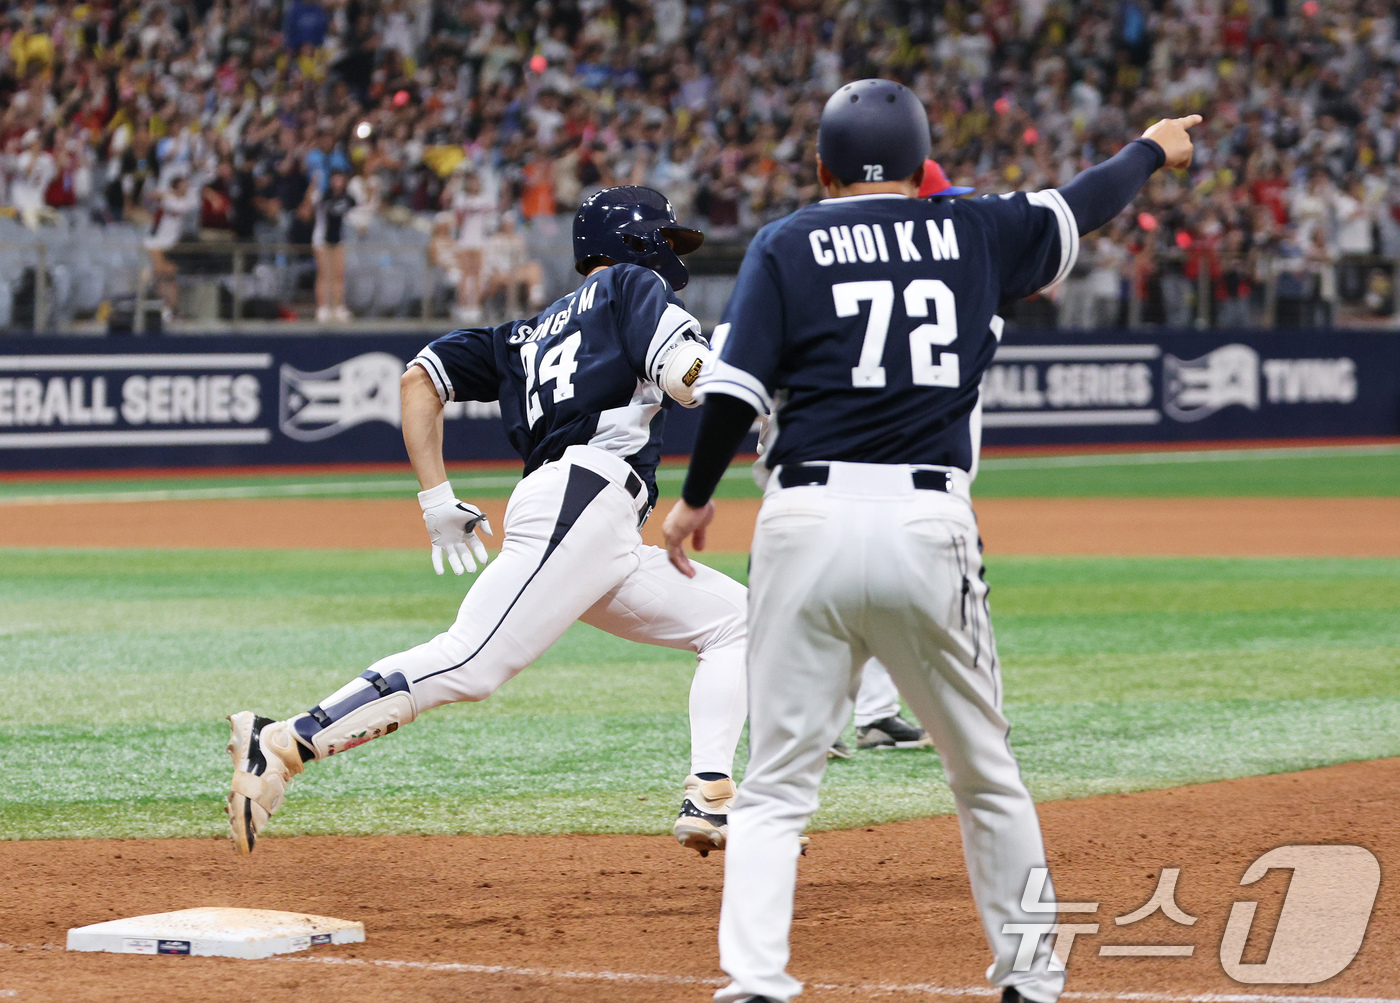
{"type": "Point", "coordinates": [1121, 674]}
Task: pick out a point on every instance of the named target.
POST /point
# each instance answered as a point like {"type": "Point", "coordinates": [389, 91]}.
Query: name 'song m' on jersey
{"type": "Point", "coordinates": [584, 371]}
{"type": "Point", "coordinates": [863, 324]}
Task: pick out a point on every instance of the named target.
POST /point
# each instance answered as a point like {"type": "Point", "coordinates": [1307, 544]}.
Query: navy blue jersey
{"type": "Point", "coordinates": [584, 371]}
{"type": "Point", "coordinates": [863, 324]}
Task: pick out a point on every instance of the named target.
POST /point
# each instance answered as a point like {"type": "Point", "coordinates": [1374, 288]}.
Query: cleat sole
{"type": "Point", "coordinates": [239, 808]}
{"type": "Point", "coordinates": [701, 837]}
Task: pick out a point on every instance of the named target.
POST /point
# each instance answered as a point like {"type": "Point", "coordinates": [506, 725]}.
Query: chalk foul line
{"type": "Point", "coordinates": [914, 989]}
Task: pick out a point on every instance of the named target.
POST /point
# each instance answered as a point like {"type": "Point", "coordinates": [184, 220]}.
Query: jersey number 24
{"type": "Point", "coordinates": [941, 330]}
{"type": "Point", "coordinates": [557, 365]}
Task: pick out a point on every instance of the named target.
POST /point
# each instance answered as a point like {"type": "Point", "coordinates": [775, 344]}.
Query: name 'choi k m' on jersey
{"type": "Point", "coordinates": [875, 315]}
{"type": "Point", "coordinates": [585, 371]}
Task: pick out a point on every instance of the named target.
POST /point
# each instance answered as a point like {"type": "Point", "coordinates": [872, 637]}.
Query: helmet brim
{"type": "Point", "coordinates": [951, 191]}
{"type": "Point", "coordinates": [683, 238]}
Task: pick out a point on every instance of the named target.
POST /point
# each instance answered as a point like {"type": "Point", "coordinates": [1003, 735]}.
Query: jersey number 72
{"type": "Point", "coordinates": [558, 364]}
{"type": "Point", "coordinates": [942, 330]}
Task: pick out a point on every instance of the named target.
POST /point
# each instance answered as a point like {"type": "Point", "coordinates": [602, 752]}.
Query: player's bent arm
{"type": "Point", "coordinates": [723, 424]}
{"type": "Point", "coordinates": [451, 524]}
{"type": "Point", "coordinates": [680, 369]}
{"type": "Point", "coordinates": [422, 426]}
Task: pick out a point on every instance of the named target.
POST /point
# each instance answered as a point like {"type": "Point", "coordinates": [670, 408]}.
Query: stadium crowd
{"type": "Point", "coordinates": [307, 122]}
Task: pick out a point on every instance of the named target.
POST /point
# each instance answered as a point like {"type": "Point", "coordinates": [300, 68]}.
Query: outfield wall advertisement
{"type": "Point", "coordinates": [233, 401]}
{"type": "Point", "coordinates": [1104, 387]}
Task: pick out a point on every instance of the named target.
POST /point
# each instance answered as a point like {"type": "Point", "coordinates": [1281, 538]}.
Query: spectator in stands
{"type": "Point", "coordinates": [34, 169]}
{"type": "Point", "coordinates": [305, 23]}
{"type": "Point", "coordinates": [328, 241]}
{"type": "Point", "coordinates": [242, 190]}
{"type": "Point", "coordinates": [1294, 283]}
{"type": "Point", "coordinates": [216, 205]}
{"type": "Point", "coordinates": [1234, 288]}
{"type": "Point", "coordinates": [366, 191]}
{"type": "Point", "coordinates": [176, 208]}
{"type": "Point", "coordinates": [1075, 308]}
{"type": "Point", "coordinates": [1311, 207]}
{"type": "Point", "coordinates": [1355, 225]}
{"type": "Point", "coordinates": [1322, 265]}
{"type": "Point", "coordinates": [325, 158]}
{"type": "Point", "coordinates": [72, 178]}
{"type": "Point", "coordinates": [31, 47]}
{"type": "Point", "coordinates": [476, 211]}
{"type": "Point", "coordinates": [509, 269]}
{"type": "Point", "coordinates": [131, 165]}
{"type": "Point", "coordinates": [1106, 279]}
{"type": "Point", "coordinates": [1178, 292]}
{"type": "Point", "coordinates": [713, 102]}
{"type": "Point", "coordinates": [537, 184]}
{"type": "Point", "coordinates": [442, 253]}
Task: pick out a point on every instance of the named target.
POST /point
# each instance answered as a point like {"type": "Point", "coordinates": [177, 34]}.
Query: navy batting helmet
{"type": "Point", "coordinates": [873, 130]}
{"type": "Point", "coordinates": [632, 224]}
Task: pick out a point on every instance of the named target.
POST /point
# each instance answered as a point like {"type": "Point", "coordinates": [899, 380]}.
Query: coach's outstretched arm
{"type": "Point", "coordinates": [1103, 191]}
{"type": "Point", "coordinates": [451, 524]}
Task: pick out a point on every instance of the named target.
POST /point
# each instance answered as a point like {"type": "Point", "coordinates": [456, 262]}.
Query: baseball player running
{"type": "Point", "coordinates": [582, 388]}
{"type": "Point", "coordinates": [864, 323]}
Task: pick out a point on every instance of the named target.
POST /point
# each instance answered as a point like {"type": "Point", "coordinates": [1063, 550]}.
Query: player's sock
{"type": "Point", "coordinates": [305, 748]}
{"type": "Point", "coordinates": [707, 776]}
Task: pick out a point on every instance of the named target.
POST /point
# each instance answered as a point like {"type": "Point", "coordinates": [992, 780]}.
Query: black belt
{"type": "Point", "coordinates": [799, 475]}
{"type": "Point", "coordinates": [634, 487]}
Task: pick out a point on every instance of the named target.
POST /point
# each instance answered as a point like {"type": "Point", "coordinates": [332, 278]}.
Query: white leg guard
{"type": "Point", "coordinates": [367, 708]}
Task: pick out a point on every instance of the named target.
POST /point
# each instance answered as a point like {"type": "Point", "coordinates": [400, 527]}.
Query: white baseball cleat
{"type": "Point", "coordinates": [703, 824]}
{"type": "Point", "coordinates": [265, 759]}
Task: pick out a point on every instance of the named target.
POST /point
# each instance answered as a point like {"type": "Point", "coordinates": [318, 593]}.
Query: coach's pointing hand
{"type": "Point", "coordinates": [452, 526]}
{"type": "Point", "coordinates": [1171, 135]}
{"type": "Point", "coordinates": [683, 522]}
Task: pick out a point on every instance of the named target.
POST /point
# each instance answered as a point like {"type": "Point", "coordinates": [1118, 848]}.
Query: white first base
{"type": "Point", "coordinates": [216, 932]}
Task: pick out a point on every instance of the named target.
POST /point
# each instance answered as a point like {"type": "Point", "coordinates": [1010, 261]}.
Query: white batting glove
{"type": "Point", "coordinates": [452, 527]}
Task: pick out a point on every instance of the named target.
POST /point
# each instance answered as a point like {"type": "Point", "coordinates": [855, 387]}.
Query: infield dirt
{"type": "Point", "coordinates": [884, 906]}
{"type": "Point", "coordinates": [1210, 527]}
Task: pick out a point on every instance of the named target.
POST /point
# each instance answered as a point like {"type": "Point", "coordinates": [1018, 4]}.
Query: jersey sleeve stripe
{"type": "Point", "coordinates": [673, 321]}
{"type": "Point", "coordinates": [436, 371]}
{"type": "Point", "coordinates": [726, 378]}
{"type": "Point", "coordinates": [1069, 231]}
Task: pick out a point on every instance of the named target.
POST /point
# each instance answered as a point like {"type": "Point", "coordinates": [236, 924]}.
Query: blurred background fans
{"type": "Point", "coordinates": [460, 122]}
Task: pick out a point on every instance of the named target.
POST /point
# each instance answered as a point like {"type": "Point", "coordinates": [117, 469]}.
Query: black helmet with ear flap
{"type": "Point", "coordinates": [636, 225]}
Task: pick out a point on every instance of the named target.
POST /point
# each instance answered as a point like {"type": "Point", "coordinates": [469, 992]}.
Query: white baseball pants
{"type": "Point", "coordinates": [878, 696]}
{"type": "Point", "coordinates": [868, 566]}
{"type": "Point", "coordinates": [572, 551]}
